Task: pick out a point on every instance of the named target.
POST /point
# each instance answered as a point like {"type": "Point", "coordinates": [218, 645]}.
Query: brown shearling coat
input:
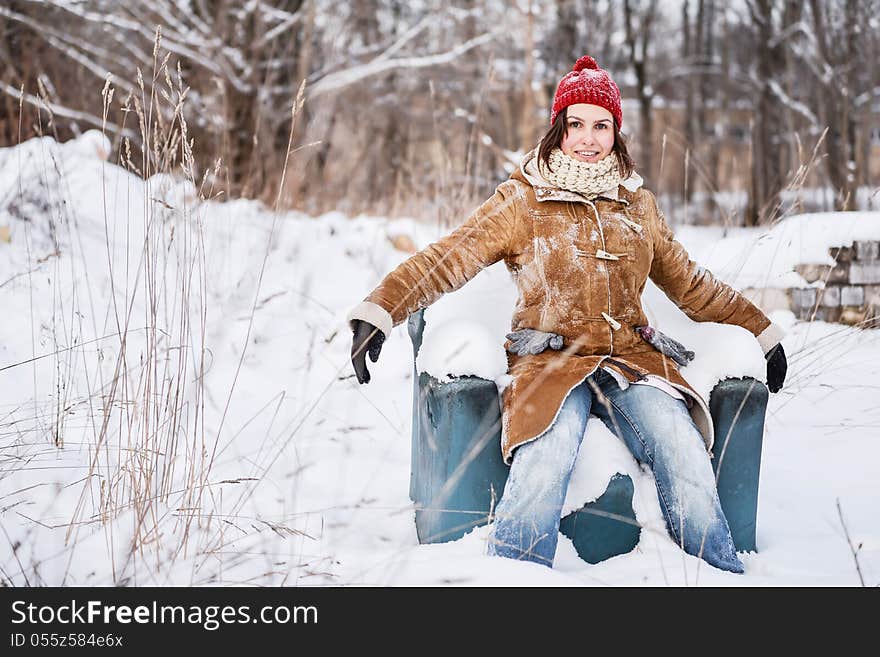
{"type": "Point", "coordinates": [552, 242]}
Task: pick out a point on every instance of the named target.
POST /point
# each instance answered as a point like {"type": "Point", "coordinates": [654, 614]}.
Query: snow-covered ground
{"type": "Point", "coordinates": [177, 405]}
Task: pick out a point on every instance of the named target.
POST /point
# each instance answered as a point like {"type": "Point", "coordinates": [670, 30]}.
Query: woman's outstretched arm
{"type": "Point", "coordinates": [698, 293]}
{"type": "Point", "coordinates": [447, 264]}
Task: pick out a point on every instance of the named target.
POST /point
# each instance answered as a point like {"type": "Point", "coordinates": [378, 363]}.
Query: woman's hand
{"type": "Point", "coordinates": [366, 338]}
{"type": "Point", "coordinates": [777, 366]}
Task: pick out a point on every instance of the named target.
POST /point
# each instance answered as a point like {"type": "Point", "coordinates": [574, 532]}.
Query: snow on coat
{"type": "Point", "coordinates": [580, 267]}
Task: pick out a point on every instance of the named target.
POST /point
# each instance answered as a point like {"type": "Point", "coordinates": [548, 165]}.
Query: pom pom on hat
{"type": "Point", "coordinates": [585, 62]}
{"type": "Point", "coordinates": [587, 83]}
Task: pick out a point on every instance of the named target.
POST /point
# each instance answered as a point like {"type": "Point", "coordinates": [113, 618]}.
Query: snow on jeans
{"type": "Point", "coordinates": [658, 430]}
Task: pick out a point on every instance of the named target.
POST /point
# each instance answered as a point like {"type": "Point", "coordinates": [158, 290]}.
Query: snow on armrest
{"type": "Point", "coordinates": [465, 330]}
{"type": "Point", "coordinates": [721, 351]}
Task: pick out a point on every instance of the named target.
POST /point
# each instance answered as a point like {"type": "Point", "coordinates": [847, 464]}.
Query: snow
{"type": "Point", "coordinates": [175, 375]}
{"type": "Point", "coordinates": [464, 331]}
{"type": "Point", "coordinates": [757, 258]}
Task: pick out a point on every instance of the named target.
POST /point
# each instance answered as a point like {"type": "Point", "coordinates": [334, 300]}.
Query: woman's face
{"type": "Point", "coordinates": [590, 134]}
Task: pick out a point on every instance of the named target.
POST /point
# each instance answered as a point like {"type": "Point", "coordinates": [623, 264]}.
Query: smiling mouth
{"type": "Point", "coordinates": [586, 154]}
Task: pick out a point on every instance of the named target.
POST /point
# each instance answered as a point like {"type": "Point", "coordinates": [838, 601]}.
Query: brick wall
{"type": "Point", "coordinates": [852, 287]}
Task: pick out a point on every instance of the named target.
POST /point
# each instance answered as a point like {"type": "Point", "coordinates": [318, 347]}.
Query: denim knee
{"type": "Point", "coordinates": [526, 524]}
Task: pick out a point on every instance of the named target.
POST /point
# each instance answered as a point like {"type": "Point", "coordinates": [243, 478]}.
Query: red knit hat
{"type": "Point", "coordinates": [587, 83]}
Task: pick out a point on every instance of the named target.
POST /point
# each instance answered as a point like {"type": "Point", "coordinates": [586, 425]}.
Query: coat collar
{"type": "Point", "coordinates": [546, 191]}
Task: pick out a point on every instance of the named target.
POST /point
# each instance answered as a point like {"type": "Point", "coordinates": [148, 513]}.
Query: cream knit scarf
{"type": "Point", "coordinates": [587, 178]}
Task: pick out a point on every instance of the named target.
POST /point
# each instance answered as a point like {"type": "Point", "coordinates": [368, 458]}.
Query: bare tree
{"type": "Point", "coordinates": [243, 63]}
{"type": "Point", "coordinates": [767, 177]}
{"type": "Point", "coordinates": [838, 44]}
{"type": "Point", "coordinates": [810, 79]}
{"type": "Point", "coordinates": [638, 22]}
{"type": "Point", "coordinates": [704, 116]}
{"type": "Point", "coordinates": [427, 105]}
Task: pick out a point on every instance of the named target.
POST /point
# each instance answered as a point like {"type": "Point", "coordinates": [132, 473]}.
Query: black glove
{"type": "Point", "coordinates": [366, 338]}
{"type": "Point", "coordinates": [777, 366]}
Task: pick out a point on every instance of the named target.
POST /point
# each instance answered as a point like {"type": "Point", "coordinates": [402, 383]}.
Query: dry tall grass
{"type": "Point", "coordinates": [150, 452]}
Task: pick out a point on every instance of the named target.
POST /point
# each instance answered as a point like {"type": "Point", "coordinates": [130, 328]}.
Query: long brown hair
{"type": "Point", "coordinates": [558, 131]}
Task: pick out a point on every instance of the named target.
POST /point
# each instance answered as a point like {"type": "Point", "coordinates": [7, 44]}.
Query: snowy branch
{"type": "Point", "coordinates": [288, 21]}
{"type": "Point", "coordinates": [798, 27]}
{"type": "Point", "coordinates": [198, 52]}
{"type": "Point", "coordinates": [68, 46]}
{"type": "Point", "coordinates": [791, 103]}
{"type": "Point", "coordinates": [866, 97]}
{"type": "Point", "coordinates": [335, 81]}
{"type": "Point", "coordinates": [406, 37]}
{"type": "Point", "coordinates": [60, 110]}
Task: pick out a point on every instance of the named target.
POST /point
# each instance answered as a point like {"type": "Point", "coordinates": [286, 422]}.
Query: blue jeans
{"type": "Point", "coordinates": [658, 430]}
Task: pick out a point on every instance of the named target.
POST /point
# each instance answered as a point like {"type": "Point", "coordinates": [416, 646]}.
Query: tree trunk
{"type": "Point", "coordinates": [527, 137]}
{"type": "Point", "coordinates": [690, 132]}
{"type": "Point", "coordinates": [839, 143]}
{"type": "Point", "coordinates": [638, 38]}
{"type": "Point", "coordinates": [766, 181]}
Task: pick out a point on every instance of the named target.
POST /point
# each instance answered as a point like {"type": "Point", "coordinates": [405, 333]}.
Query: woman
{"type": "Point", "coordinates": [580, 235]}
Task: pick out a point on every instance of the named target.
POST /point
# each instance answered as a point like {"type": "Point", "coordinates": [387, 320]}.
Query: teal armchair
{"type": "Point", "coordinates": [458, 475]}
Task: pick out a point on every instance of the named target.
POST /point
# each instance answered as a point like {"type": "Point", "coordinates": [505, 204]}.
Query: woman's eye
{"type": "Point", "coordinates": [574, 124]}
{"type": "Point", "coordinates": [601, 126]}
